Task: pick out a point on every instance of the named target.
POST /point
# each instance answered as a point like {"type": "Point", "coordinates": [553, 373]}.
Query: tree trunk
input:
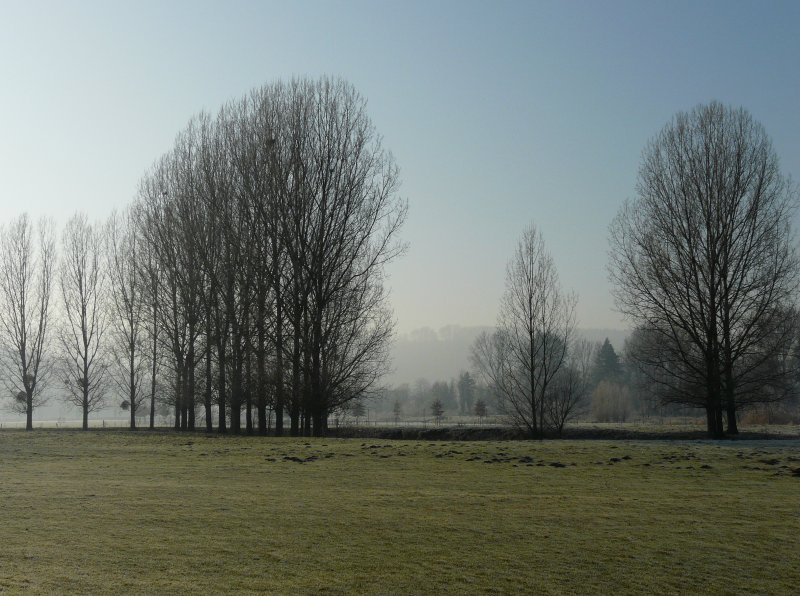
{"type": "Point", "coordinates": [190, 397]}
{"type": "Point", "coordinates": [730, 397]}
{"type": "Point", "coordinates": [209, 378]}
{"type": "Point", "coordinates": [714, 420]}
{"type": "Point", "coordinates": [261, 356]}
{"type": "Point", "coordinates": [305, 397]}
{"type": "Point", "coordinates": [733, 427]}
{"type": "Point", "coordinates": [178, 397]}
{"type": "Point", "coordinates": [294, 418]}
{"type": "Point", "coordinates": [320, 420]}
{"type": "Point", "coordinates": [153, 400]}
{"type": "Point", "coordinates": [532, 378]}
{"type": "Point", "coordinates": [248, 395]}
{"type": "Point", "coordinates": [153, 371]}
{"type": "Point", "coordinates": [294, 409]}
{"type": "Point", "coordinates": [714, 381]}
{"type": "Point", "coordinates": [132, 387]}
{"type": "Point", "coordinates": [29, 410]}
{"type": "Point", "coordinates": [720, 430]}
{"type": "Point", "coordinates": [710, 421]}
{"type": "Point", "coordinates": [261, 373]}
{"type": "Point", "coordinates": [316, 404]}
{"type": "Point", "coordinates": [279, 389]}
{"type": "Point", "coordinates": [223, 406]}
{"type": "Point", "coordinates": [261, 409]}
{"type": "Point", "coordinates": [236, 391]}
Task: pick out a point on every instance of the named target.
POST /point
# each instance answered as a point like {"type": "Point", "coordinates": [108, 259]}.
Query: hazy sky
{"type": "Point", "coordinates": [498, 113]}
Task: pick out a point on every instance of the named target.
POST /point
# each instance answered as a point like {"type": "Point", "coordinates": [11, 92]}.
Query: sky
{"type": "Point", "coordinates": [499, 114]}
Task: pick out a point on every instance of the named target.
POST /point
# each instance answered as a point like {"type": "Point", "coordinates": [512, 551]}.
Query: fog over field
{"type": "Point", "coordinates": [432, 354]}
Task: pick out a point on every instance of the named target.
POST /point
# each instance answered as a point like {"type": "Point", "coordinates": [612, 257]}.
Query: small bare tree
{"type": "Point", "coordinates": [437, 411]}
{"type": "Point", "coordinates": [397, 410]}
{"type": "Point", "coordinates": [480, 409]}
{"type": "Point", "coordinates": [26, 271]}
{"type": "Point", "coordinates": [523, 357]}
{"type": "Point", "coordinates": [358, 410]}
{"type": "Point", "coordinates": [82, 282]}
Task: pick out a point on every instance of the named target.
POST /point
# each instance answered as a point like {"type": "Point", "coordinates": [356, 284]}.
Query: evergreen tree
{"type": "Point", "coordinates": [606, 365]}
{"type": "Point", "coordinates": [466, 392]}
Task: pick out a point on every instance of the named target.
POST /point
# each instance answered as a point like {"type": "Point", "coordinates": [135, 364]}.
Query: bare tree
{"type": "Point", "coordinates": [357, 409]}
{"type": "Point", "coordinates": [82, 281]}
{"type": "Point", "coordinates": [128, 311]}
{"type": "Point", "coordinates": [480, 409]}
{"type": "Point", "coordinates": [703, 259]}
{"type": "Point", "coordinates": [437, 411]}
{"type": "Point", "coordinates": [170, 214]}
{"type": "Point", "coordinates": [397, 411]}
{"type": "Point", "coordinates": [523, 357]}
{"type": "Point", "coordinates": [212, 186]}
{"type": "Point", "coordinates": [149, 275]}
{"type": "Point", "coordinates": [26, 271]}
{"type": "Point", "coordinates": [355, 219]}
{"type": "Point", "coordinates": [355, 352]}
{"type": "Point", "coordinates": [171, 323]}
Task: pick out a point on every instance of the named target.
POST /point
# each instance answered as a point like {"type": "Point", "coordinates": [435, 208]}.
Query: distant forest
{"type": "Point", "coordinates": [617, 392]}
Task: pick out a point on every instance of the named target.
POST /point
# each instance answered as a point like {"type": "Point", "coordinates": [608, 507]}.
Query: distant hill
{"type": "Point", "coordinates": [429, 354]}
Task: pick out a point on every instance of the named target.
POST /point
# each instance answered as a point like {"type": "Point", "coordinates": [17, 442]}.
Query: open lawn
{"type": "Point", "coordinates": [119, 512]}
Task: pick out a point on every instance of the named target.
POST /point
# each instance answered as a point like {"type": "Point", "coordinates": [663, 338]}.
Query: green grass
{"type": "Point", "coordinates": [116, 512]}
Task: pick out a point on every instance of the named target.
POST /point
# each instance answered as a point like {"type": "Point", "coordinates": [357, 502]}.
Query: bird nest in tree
{"type": "Point", "coordinates": [21, 397]}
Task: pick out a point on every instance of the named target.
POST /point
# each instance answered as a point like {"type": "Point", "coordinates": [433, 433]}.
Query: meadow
{"type": "Point", "coordinates": [121, 512]}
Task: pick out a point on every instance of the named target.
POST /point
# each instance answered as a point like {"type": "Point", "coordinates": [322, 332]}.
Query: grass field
{"type": "Point", "coordinates": [117, 512]}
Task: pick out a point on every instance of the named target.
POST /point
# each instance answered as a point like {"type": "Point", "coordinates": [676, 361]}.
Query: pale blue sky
{"type": "Point", "coordinates": [498, 113]}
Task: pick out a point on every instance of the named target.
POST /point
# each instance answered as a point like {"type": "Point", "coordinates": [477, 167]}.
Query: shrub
{"type": "Point", "coordinates": [611, 402]}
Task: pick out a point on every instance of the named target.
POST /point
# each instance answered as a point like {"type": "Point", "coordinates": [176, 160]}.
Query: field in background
{"type": "Point", "coordinates": [119, 512]}
{"type": "Point", "coordinates": [666, 427]}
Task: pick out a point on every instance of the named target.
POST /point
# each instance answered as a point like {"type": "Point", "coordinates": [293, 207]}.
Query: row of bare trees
{"type": "Point", "coordinates": [246, 279]}
{"type": "Point", "coordinates": [269, 226]}
{"type": "Point", "coordinates": [46, 301]}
